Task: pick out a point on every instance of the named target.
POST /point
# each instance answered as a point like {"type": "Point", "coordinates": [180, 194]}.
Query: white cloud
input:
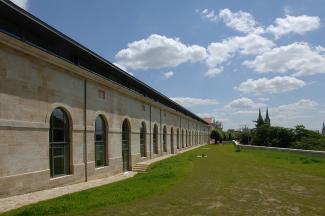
{"type": "Point", "coordinates": [209, 14]}
{"type": "Point", "coordinates": [264, 99]}
{"type": "Point", "coordinates": [240, 21]}
{"type": "Point", "coordinates": [287, 10]}
{"type": "Point", "coordinates": [298, 57]}
{"type": "Point", "coordinates": [213, 72]}
{"type": "Point", "coordinates": [158, 51]}
{"type": "Point", "coordinates": [168, 74]}
{"type": "Point", "coordinates": [189, 102]}
{"type": "Point", "coordinates": [299, 106]}
{"type": "Point", "coordinates": [294, 111]}
{"type": "Point", "coordinates": [270, 86]}
{"type": "Point", "coordinates": [320, 49]}
{"type": "Point", "coordinates": [294, 24]}
{"type": "Point", "coordinates": [246, 112]}
{"type": "Point", "coordinates": [244, 103]}
{"type": "Point", "coordinates": [123, 68]}
{"type": "Point", "coordinates": [250, 44]}
{"type": "Point", "coordinates": [21, 3]}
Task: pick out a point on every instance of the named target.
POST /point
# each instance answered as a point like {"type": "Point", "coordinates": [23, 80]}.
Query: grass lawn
{"type": "Point", "coordinates": [250, 182]}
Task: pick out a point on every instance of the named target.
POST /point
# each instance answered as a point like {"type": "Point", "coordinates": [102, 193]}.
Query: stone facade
{"type": "Point", "coordinates": [33, 83]}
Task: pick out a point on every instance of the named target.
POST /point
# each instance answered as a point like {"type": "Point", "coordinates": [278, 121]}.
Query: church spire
{"type": "Point", "coordinates": [260, 120]}
{"type": "Point", "coordinates": [267, 118]}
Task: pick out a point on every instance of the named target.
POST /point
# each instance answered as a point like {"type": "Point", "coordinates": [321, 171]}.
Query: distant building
{"type": "Point", "coordinates": [260, 121]}
{"type": "Point", "coordinates": [267, 118]}
{"type": "Point", "coordinates": [323, 130]}
{"type": "Point", "coordinates": [213, 123]}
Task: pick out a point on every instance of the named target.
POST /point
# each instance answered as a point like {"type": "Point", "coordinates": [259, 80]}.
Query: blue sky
{"type": "Point", "coordinates": [224, 59]}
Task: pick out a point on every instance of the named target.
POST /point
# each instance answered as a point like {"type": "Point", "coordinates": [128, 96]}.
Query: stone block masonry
{"type": "Point", "coordinates": [48, 112]}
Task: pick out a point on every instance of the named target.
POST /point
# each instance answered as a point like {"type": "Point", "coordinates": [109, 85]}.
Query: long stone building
{"type": "Point", "coordinates": [67, 115]}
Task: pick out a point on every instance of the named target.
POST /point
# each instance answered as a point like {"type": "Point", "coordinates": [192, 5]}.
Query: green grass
{"type": "Point", "coordinates": [249, 182]}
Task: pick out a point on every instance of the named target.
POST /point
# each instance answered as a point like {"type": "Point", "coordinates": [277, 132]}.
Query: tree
{"type": "Point", "coordinates": [300, 131]}
{"type": "Point", "coordinates": [222, 136]}
{"type": "Point", "coordinates": [260, 135]}
{"type": "Point", "coordinates": [215, 134]}
{"type": "Point", "coordinates": [244, 137]}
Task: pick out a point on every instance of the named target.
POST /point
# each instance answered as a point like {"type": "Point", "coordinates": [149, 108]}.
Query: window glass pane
{"type": "Point", "coordinates": [58, 135]}
{"type": "Point", "coordinates": [99, 124]}
{"type": "Point", "coordinates": [99, 137]}
{"type": "Point", "coordinates": [59, 145]}
{"type": "Point", "coordinates": [125, 145]}
{"type": "Point", "coordinates": [58, 151]}
{"type": "Point", "coordinates": [100, 142]}
{"type": "Point", "coordinates": [142, 141]}
{"type": "Point", "coordinates": [155, 139]}
{"type": "Point", "coordinates": [58, 165]}
{"type": "Point", "coordinates": [100, 154]}
{"type": "Point", "coordinates": [58, 118]}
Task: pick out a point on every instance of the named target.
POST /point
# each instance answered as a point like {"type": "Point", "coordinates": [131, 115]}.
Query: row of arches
{"type": "Point", "coordinates": [60, 145]}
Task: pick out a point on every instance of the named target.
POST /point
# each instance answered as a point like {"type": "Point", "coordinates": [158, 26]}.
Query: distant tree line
{"type": "Point", "coordinates": [266, 135]}
{"type": "Point", "coordinates": [218, 135]}
{"type": "Point", "coordinates": [298, 137]}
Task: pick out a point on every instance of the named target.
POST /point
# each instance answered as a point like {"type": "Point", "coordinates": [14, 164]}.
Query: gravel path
{"type": "Point", "coordinates": [9, 203]}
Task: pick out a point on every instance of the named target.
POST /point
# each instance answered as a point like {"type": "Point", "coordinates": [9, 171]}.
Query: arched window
{"type": "Point", "coordinates": [193, 141]}
{"type": "Point", "coordinates": [199, 137]}
{"type": "Point", "coordinates": [172, 140]}
{"type": "Point", "coordinates": [126, 153]}
{"type": "Point", "coordinates": [143, 140]}
{"type": "Point", "coordinates": [165, 139]}
{"type": "Point", "coordinates": [59, 136]}
{"type": "Point", "coordinates": [155, 139]}
{"type": "Point", "coordinates": [182, 138]}
{"type": "Point", "coordinates": [177, 138]}
{"type": "Point", "coordinates": [189, 138]}
{"type": "Point", "coordinates": [100, 142]}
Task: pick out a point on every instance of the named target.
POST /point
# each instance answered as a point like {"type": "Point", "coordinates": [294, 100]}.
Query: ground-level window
{"type": "Point", "coordinates": [143, 139]}
{"type": "Point", "coordinates": [100, 142]}
{"type": "Point", "coordinates": [155, 139]}
{"type": "Point", "coordinates": [165, 139]}
{"type": "Point", "coordinates": [59, 137]}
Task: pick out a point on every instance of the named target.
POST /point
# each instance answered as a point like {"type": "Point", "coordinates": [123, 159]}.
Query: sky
{"type": "Point", "coordinates": [221, 59]}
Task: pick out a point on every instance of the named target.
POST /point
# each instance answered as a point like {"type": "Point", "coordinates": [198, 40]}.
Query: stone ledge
{"type": "Point", "coordinates": [23, 124]}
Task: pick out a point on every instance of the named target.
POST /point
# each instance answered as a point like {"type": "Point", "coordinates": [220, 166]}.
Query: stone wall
{"type": "Point", "coordinates": [33, 83]}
